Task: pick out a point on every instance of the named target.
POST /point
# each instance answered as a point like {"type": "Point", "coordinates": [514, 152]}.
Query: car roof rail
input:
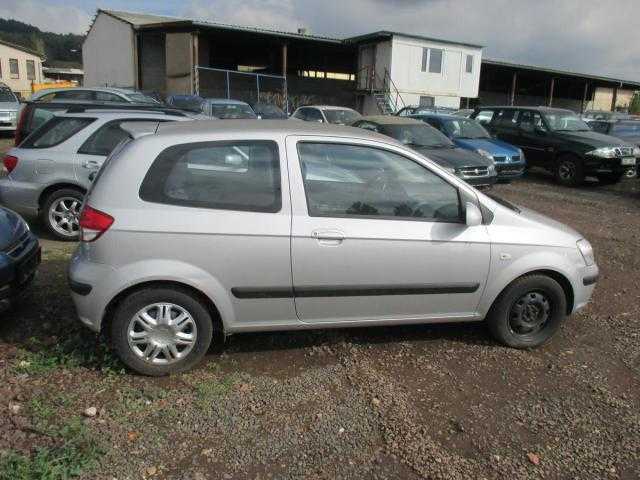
{"type": "Point", "coordinates": [129, 106]}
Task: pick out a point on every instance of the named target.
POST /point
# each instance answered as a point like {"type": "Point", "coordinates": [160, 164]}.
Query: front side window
{"type": "Point", "coordinates": [313, 115]}
{"type": "Point", "coordinates": [485, 116]}
{"type": "Point", "coordinates": [31, 70]}
{"type": "Point", "coordinates": [507, 118]}
{"type": "Point", "coordinates": [14, 69]}
{"type": "Point", "coordinates": [356, 181]}
{"type": "Point", "coordinates": [242, 175]}
{"type": "Point", "coordinates": [531, 121]}
{"type": "Point", "coordinates": [55, 131]}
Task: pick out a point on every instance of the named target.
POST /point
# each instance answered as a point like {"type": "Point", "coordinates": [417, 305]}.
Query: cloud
{"type": "Point", "coordinates": [589, 36]}
{"type": "Point", "coordinates": [47, 16]}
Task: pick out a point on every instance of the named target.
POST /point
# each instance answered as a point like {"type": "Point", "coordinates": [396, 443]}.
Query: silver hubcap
{"type": "Point", "coordinates": [567, 170]}
{"type": "Point", "coordinates": [64, 216]}
{"type": "Point", "coordinates": [631, 173]}
{"type": "Point", "coordinates": [162, 333]}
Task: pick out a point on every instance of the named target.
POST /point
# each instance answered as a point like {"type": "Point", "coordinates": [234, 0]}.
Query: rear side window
{"type": "Point", "coordinates": [241, 176]}
{"type": "Point", "coordinates": [106, 138]}
{"type": "Point", "coordinates": [74, 95]}
{"type": "Point", "coordinates": [485, 116]}
{"type": "Point", "coordinates": [55, 131]}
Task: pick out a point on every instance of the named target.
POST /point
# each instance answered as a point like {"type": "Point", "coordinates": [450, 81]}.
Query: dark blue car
{"type": "Point", "coordinates": [470, 135]}
{"type": "Point", "coordinates": [19, 257]}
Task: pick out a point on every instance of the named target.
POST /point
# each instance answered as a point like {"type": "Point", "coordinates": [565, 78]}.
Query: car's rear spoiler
{"type": "Point", "coordinates": [140, 129]}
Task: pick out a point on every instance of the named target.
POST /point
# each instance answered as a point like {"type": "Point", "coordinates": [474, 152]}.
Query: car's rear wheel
{"type": "Point", "coordinates": [61, 213]}
{"type": "Point", "coordinates": [610, 178]}
{"type": "Point", "coordinates": [569, 171]}
{"type": "Point", "coordinates": [528, 312]}
{"type": "Point", "coordinates": [159, 331]}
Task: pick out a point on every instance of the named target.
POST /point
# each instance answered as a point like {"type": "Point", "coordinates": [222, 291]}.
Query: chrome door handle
{"type": "Point", "coordinates": [328, 237]}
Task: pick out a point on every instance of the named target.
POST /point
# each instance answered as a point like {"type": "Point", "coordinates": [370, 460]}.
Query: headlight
{"type": "Point", "coordinates": [484, 153]}
{"type": "Point", "coordinates": [587, 252]}
{"type": "Point", "coordinates": [491, 169]}
{"type": "Point", "coordinates": [604, 152]}
{"type": "Point", "coordinates": [636, 151]}
{"type": "Point", "coordinates": [13, 115]}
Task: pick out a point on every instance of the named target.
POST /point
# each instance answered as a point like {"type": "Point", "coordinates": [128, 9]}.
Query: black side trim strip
{"type": "Point", "coordinates": [590, 280]}
{"type": "Point", "coordinates": [80, 288]}
{"type": "Point", "coordinates": [352, 290]}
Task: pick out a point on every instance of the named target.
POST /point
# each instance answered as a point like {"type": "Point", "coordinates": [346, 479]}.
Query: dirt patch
{"type": "Point", "coordinates": [409, 402]}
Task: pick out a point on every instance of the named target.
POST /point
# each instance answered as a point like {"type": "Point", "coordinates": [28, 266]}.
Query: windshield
{"type": "Point", "coordinates": [565, 122]}
{"type": "Point", "coordinates": [193, 104]}
{"type": "Point", "coordinates": [415, 135]}
{"type": "Point", "coordinates": [342, 117]}
{"type": "Point", "coordinates": [232, 110]}
{"type": "Point", "coordinates": [141, 98]}
{"type": "Point", "coordinates": [7, 95]}
{"type": "Point", "coordinates": [464, 128]}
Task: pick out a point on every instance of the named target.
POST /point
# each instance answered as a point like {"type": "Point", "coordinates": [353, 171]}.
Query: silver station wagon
{"type": "Point", "coordinates": [246, 226]}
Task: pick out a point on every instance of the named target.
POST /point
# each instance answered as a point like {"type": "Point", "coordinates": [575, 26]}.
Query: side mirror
{"type": "Point", "coordinates": [473, 215]}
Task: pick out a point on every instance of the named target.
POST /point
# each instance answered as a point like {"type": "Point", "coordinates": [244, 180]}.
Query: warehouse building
{"type": "Point", "coordinates": [377, 72]}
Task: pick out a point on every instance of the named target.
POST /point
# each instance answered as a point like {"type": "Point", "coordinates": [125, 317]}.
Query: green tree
{"type": "Point", "coordinates": [634, 106]}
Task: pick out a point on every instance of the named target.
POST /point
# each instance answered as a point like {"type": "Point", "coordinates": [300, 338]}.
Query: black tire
{"type": "Point", "coordinates": [511, 330]}
{"type": "Point", "coordinates": [138, 300]}
{"type": "Point", "coordinates": [50, 202]}
{"type": "Point", "coordinates": [569, 170]}
{"type": "Point", "coordinates": [610, 178]}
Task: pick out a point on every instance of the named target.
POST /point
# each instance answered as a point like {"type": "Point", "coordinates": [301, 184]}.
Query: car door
{"type": "Point", "coordinates": [505, 126]}
{"type": "Point", "coordinates": [533, 138]}
{"type": "Point", "coordinates": [97, 147]}
{"type": "Point", "coordinates": [377, 236]}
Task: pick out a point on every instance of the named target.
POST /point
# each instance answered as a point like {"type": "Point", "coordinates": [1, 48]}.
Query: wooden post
{"type": "Point", "coordinates": [512, 99]}
{"type": "Point", "coordinates": [553, 83]}
{"type": "Point", "coordinates": [614, 100]}
{"type": "Point", "coordinates": [584, 97]}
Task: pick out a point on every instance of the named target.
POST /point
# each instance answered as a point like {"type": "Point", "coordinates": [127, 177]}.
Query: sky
{"type": "Point", "coordinates": [588, 36]}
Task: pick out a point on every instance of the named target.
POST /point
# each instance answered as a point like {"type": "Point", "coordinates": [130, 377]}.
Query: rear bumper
{"type": "Point", "coordinates": [21, 197]}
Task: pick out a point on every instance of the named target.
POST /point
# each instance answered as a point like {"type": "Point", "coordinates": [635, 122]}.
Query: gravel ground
{"type": "Point", "coordinates": [438, 402]}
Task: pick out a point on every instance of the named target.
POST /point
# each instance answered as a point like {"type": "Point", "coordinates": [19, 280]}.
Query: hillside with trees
{"type": "Point", "coordinates": [59, 49]}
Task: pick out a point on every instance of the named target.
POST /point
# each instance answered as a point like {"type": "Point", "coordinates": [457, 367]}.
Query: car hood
{"type": "Point", "coordinates": [491, 145]}
{"type": "Point", "coordinates": [454, 157]}
{"type": "Point", "coordinates": [11, 228]}
{"type": "Point", "coordinates": [11, 106]}
{"type": "Point", "coordinates": [635, 139]}
{"type": "Point", "coordinates": [543, 221]}
{"type": "Point", "coordinates": [592, 139]}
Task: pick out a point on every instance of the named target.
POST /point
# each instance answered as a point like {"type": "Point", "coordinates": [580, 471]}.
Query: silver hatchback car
{"type": "Point", "coordinates": [246, 226]}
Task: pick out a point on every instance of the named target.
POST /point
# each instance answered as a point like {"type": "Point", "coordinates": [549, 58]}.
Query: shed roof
{"type": "Point", "coordinates": [21, 48]}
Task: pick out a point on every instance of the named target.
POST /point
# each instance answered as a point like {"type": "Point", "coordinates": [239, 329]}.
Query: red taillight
{"type": "Point", "coordinates": [93, 223]}
{"type": "Point", "coordinates": [10, 162]}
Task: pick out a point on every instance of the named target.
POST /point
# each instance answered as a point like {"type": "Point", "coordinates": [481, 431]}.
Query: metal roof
{"type": "Point", "coordinates": [22, 49]}
{"type": "Point", "coordinates": [382, 34]}
{"type": "Point", "coordinates": [568, 73]}
{"type": "Point", "coordinates": [144, 20]}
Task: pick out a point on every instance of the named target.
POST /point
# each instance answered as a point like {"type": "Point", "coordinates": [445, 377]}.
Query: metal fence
{"type": "Point", "coordinates": [246, 86]}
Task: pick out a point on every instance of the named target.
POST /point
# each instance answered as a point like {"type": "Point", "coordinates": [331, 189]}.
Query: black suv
{"type": "Point", "coordinates": [561, 142]}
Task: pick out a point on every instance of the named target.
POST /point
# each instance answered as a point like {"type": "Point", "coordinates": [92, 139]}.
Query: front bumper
{"type": "Point", "coordinates": [510, 170]}
{"type": "Point", "coordinates": [22, 197]}
{"type": "Point", "coordinates": [485, 181]}
{"type": "Point", "coordinates": [595, 165]}
{"type": "Point", "coordinates": [584, 286]}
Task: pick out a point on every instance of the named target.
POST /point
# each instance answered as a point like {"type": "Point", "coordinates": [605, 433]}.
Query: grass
{"type": "Point", "coordinates": [75, 453]}
{"type": "Point", "coordinates": [76, 350]}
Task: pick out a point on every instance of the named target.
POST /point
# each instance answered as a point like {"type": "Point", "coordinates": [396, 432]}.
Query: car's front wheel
{"type": "Point", "coordinates": [528, 312]}
{"type": "Point", "coordinates": [159, 331]}
{"type": "Point", "coordinates": [61, 213]}
{"type": "Point", "coordinates": [569, 171]}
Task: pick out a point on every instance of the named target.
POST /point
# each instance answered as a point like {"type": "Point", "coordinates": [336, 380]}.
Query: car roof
{"type": "Point", "coordinates": [227, 101]}
{"type": "Point", "coordinates": [121, 91]}
{"type": "Point", "coordinates": [391, 120]}
{"type": "Point", "coordinates": [269, 128]}
{"type": "Point", "coordinates": [444, 116]}
{"type": "Point", "coordinates": [329, 107]}
{"type": "Point", "coordinates": [116, 114]}
{"type": "Point", "coordinates": [524, 107]}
